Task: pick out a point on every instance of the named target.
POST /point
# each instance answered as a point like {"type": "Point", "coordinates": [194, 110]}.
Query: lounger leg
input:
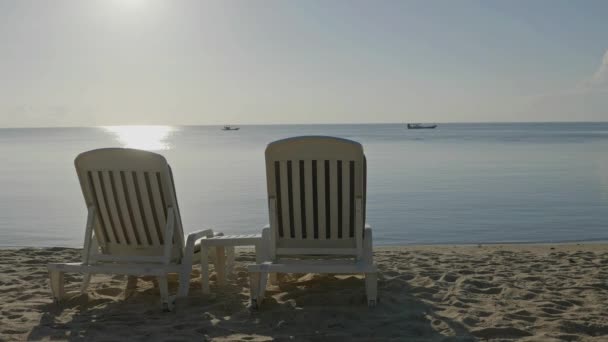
{"type": "Point", "coordinates": [131, 286]}
{"type": "Point", "coordinates": [220, 265]}
{"type": "Point", "coordinates": [184, 282]}
{"type": "Point", "coordinates": [56, 280]}
{"type": "Point", "coordinates": [371, 288]}
{"type": "Point", "coordinates": [229, 260]}
{"type": "Point", "coordinates": [205, 269]}
{"type": "Point", "coordinates": [86, 279]}
{"type": "Point", "coordinates": [254, 285]}
{"type": "Point", "coordinates": [163, 285]}
{"type": "Point", "coordinates": [262, 288]}
{"type": "Point", "coordinates": [273, 279]}
{"type": "Point", "coordinates": [260, 255]}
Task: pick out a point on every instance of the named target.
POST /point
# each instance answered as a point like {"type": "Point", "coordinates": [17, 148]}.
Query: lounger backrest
{"type": "Point", "coordinates": [316, 191]}
{"type": "Point", "coordinates": [132, 192]}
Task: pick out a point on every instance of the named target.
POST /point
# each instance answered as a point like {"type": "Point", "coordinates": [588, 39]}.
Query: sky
{"type": "Point", "coordinates": [181, 62]}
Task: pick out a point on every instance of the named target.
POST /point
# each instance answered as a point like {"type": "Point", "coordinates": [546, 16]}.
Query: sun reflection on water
{"type": "Point", "coordinates": [151, 138]}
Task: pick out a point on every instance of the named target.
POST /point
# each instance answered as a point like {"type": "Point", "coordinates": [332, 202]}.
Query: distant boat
{"type": "Point", "coordinates": [420, 126]}
{"type": "Point", "coordinates": [230, 128]}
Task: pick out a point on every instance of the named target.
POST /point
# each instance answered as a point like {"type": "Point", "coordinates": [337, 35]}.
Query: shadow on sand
{"type": "Point", "coordinates": [300, 308]}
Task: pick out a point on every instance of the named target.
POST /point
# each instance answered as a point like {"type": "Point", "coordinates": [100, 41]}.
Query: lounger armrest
{"type": "Point", "coordinates": [263, 251]}
{"type": "Point", "coordinates": [193, 237]}
{"type": "Point", "coordinates": [368, 232]}
{"type": "Point", "coordinates": [266, 235]}
{"type": "Point", "coordinates": [266, 227]}
{"type": "Point", "coordinates": [368, 249]}
{"type": "Point", "coordinates": [199, 234]}
{"type": "Point", "coordinates": [191, 241]}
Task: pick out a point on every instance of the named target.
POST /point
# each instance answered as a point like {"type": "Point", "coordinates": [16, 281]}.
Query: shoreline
{"type": "Point", "coordinates": [472, 244]}
{"type": "Point", "coordinates": [506, 292]}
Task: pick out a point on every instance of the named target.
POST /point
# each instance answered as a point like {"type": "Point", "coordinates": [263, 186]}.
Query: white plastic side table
{"type": "Point", "coordinates": [225, 262]}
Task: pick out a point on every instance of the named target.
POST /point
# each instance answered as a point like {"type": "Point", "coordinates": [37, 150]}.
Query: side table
{"type": "Point", "coordinates": [220, 243]}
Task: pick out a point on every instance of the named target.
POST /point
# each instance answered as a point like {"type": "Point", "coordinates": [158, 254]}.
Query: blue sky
{"type": "Point", "coordinates": [114, 62]}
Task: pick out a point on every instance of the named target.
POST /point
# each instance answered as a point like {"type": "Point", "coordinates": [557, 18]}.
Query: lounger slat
{"type": "Point", "coordinates": [277, 212]}
{"type": "Point", "coordinates": [99, 228]}
{"type": "Point", "coordinates": [113, 211]}
{"type": "Point", "coordinates": [333, 190]}
{"type": "Point", "coordinates": [123, 206]}
{"type": "Point", "coordinates": [130, 193]}
{"type": "Point", "coordinates": [163, 192]}
{"type": "Point", "coordinates": [295, 181]}
{"type": "Point", "coordinates": [103, 211]}
{"type": "Point", "coordinates": [359, 223]}
{"type": "Point", "coordinates": [148, 214]}
{"type": "Point", "coordinates": [321, 216]}
{"type": "Point", "coordinates": [158, 209]}
{"type": "Point", "coordinates": [136, 210]}
{"type": "Point", "coordinates": [310, 222]}
{"type": "Point", "coordinates": [287, 232]}
{"type": "Point", "coordinates": [345, 199]}
{"type": "Point", "coordinates": [351, 198]}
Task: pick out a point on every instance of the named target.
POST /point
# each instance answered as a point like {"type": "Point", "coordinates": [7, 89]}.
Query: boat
{"type": "Point", "coordinates": [420, 126]}
{"type": "Point", "coordinates": [230, 128]}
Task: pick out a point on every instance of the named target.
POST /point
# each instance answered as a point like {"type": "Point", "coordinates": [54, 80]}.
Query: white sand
{"type": "Point", "coordinates": [436, 293]}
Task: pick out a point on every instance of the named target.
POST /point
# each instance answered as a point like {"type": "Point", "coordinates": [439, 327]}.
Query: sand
{"type": "Point", "coordinates": [429, 293]}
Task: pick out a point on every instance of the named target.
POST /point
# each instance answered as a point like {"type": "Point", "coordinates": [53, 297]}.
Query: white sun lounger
{"type": "Point", "coordinates": [316, 198]}
{"type": "Point", "coordinates": [133, 225]}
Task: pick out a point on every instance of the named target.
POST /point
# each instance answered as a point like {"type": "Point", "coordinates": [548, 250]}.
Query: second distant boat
{"type": "Point", "coordinates": [230, 128]}
{"type": "Point", "coordinates": [420, 126]}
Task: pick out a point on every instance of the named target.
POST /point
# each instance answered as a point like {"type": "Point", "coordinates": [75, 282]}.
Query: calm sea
{"type": "Point", "coordinates": [459, 183]}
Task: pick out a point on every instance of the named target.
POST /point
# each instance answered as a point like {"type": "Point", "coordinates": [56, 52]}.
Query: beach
{"type": "Point", "coordinates": [550, 292]}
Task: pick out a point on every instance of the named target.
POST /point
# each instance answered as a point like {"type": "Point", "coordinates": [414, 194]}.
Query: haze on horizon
{"type": "Point", "coordinates": [118, 62]}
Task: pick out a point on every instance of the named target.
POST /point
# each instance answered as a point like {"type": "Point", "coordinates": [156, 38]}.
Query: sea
{"type": "Point", "coordinates": [464, 183]}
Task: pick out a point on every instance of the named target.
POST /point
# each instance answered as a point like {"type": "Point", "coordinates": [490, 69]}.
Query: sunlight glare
{"type": "Point", "coordinates": [142, 137]}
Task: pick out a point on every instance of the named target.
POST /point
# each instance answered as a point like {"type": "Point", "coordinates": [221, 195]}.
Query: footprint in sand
{"type": "Point", "coordinates": [459, 304]}
{"type": "Point", "coordinates": [109, 291]}
{"type": "Point", "coordinates": [566, 303]}
{"type": "Point", "coordinates": [551, 311]}
{"type": "Point", "coordinates": [494, 332]}
{"type": "Point", "coordinates": [185, 326]}
{"type": "Point", "coordinates": [449, 277]}
{"type": "Point", "coordinates": [12, 331]}
{"type": "Point", "coordinates": [25, 297]}
{"type": "Point", "coordinates": [14, 316]}
{"type": "Point", "coordinates": [588, 328]}
{"type": "Point", "coordinates": [479, 286]}
{"type": "Point", "coordinates": [522, 315]}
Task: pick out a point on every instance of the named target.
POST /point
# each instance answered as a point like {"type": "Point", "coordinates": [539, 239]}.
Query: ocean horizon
{"type": "Point", "coordinates": [404, 123]}
{"type": "Point", "coordinates": [462, 183]}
